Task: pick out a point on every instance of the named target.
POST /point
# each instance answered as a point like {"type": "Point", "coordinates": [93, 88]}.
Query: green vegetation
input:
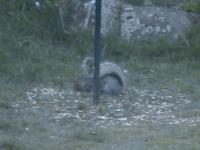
{"type": "Point", "coordinates": [33, 44]}
{"type": "Point", "coordinates": [159, 49]}
{"type": "Point", "coordinates": [35, 52]}
{"type": "Point", "coordinates": [188, 5]}
{"type": "Point", "coordinates": [11, 145]}
{"type": "Point", "coordinates": [192, 7]}
{"type": "Point", "coordinates": [135, 2]}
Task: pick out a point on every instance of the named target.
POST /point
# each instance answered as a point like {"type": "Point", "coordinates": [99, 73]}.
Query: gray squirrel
{"type": "Point", "coordinates": [112, 78]}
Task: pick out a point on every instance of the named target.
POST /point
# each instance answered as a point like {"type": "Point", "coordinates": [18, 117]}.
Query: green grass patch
{"type": "Point", "coordinates": [135, 2]}
{"type": "Point", "coordinates": [192, 7]}
{"type": "Point", "coordinates": [11, 145]}
{"type": "Point", "coordinates": [4, 103]}
{"type": "Point", "coordinates": [157, 50]}
{"type": "Point", "coordinates": [86, 134]}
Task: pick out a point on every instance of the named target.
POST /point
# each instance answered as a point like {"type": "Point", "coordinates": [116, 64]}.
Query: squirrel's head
{"type": "Point", "coordinates": [83, 84]}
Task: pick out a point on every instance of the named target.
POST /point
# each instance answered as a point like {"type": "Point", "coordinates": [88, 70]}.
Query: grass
{"type": "Point", "coordinates": [32, 58]}
{"type": "Point", "coordinates": [10, 145]}
{"type": "Point", "coordinates": [82, 137]}
{"type": "Point", "coordinates": [188, 5]}
{"type": "Point", "coordinates": [180, 139]}
{"type": "Point", "coordinates": [192, 7]}
{"type": "Point", "coordinates": [28, 55]}
{"type": "Point", "coordinates": [135, 2]}
{"type": "Point", "coordinates": [34, 130]}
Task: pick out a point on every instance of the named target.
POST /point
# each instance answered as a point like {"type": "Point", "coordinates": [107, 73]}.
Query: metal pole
{"type": "Point", "coordinates": [97, 52]}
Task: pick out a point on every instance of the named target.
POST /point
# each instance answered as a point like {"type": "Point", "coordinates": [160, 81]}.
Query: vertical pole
{"type": "Point", "coordinates": [97, 52]}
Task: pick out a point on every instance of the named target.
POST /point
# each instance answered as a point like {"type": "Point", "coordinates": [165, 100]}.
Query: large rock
{"type": "Point", "coordinates": [110, 16]}
{"type": "Point", "coordinates": [144, 22]}
{"type": "Point", "coordinates": [110, 19]}
{"type": "Point", "coordinates": [126, 20]}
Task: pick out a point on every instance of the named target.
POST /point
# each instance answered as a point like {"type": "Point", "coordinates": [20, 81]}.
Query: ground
{"type": "Point", "coordinates": [160, 110]}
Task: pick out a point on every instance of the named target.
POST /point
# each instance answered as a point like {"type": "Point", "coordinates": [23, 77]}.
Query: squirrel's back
{"type": "Point", "coordinates": [112, 78]}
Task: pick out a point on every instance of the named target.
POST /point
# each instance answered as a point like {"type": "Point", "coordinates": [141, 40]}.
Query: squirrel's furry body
{"type": "Point", "coordinates": [112, 78]}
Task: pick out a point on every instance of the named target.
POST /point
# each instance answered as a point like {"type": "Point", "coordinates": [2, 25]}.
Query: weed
{"type": "Point", "coordinates": [192, 7]}
{"type": "Point", "coordinates": [10, 145]}
{"type": "Point", "coordinates": [4, 104]}
{"type": "Point", "coordinates": [7, 124]}
{"type": "Point", "coordinates": [86, 134]}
